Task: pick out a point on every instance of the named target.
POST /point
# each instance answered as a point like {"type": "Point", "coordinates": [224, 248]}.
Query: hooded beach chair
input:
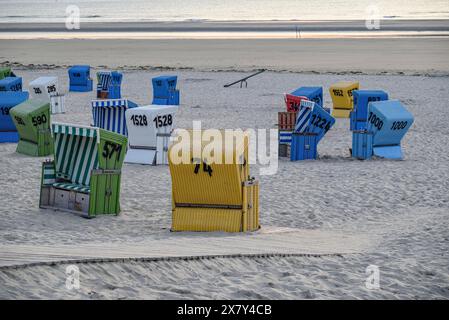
{"type": "Point", "coordinates": [388, 122]}
{"type": "Point", "coordinates": [86, 172]}
{"type": "Point", "coordinates": [149, 131]}
{"type": "Point", "coordinates": [8, 100]}
{"type": "Point", "coordinates": [312, 123]}
{"type": "Point", "coordinates": [342, 98]}
{"type": "Point", "coordinates": [212, 196]}
{"type": "Point", "coordinates": [32, 120]}
{"type": "Point", "coordinates": [359, 115]}
{"type": "Point", "coordinates": [293, 102]}
{"type": "Point", "coordinates": [164, 90]}
{"type": "Point", "coordinates": [80, 80]}
{"type": "Point", "coordinates": [46, 89]}
{"type": "Point", "coordinates": [110, 114]}
{"type": "Point", "coordinates": [6, 72]}
{"type": "Point", "coordinates": [108, 85]}
{"type": "Point", "coordinates": [11, 84]}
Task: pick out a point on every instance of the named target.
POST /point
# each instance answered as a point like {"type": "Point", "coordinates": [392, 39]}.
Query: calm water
{"type": "Point", "coordinates": [229, 10]}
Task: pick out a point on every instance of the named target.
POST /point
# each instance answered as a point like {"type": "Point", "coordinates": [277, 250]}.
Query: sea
{"type": "Point", "coordinates": [49, 11]}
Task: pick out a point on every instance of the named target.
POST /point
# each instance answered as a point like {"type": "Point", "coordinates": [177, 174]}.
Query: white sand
{"type": "Point", "coordinates": [395, 212]}
{"type": "Point", "coordinates": [268, 241]}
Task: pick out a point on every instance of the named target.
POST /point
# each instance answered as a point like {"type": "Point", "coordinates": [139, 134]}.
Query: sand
{"type": "Point", "coordinates": [410, 56]}
{"type": "Point", "coordinates": [323, 222]}
{"type": "Point", "coordinates": [262, 26]}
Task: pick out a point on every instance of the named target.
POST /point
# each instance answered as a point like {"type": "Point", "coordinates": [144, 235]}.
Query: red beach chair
{"type": "Point", "coordinates": [293, 102]}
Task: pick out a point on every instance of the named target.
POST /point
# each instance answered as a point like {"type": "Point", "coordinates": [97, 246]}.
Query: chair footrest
{"type": "Point", "coordinates": [71, 187]}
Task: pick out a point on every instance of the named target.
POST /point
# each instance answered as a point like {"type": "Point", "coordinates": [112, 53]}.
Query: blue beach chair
{"type": "Point", "coordinates": [164, 90]}
{"type": "Point", "coordinates": [11, 84]}
{"type": "Point", "coordinates": [110, 114]}
{"type": "Point", "coordinates": [312, 123]}
{"type": "Point", "coordinates": [314, 94]}
{"type": "Point", "coordinates": [359, 115]}
{"type": "Point", "coordinates": [80, 80]}
{"type": "Point", "coordinates": [8, 100]}
{"type": "Point", "coordinates": [389, 121]}
{"type": "Point", "coordinates": [108, 85]}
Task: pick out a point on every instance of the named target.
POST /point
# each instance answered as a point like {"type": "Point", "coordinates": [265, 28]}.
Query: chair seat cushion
{"type": "Point", "coordinates": [71, 187]}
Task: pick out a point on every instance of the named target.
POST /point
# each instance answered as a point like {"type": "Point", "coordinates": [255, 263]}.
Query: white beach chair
{"type": "Point", "coordinates": [46, 89]}
{"type": "Point", "coordinates": [149, 131]}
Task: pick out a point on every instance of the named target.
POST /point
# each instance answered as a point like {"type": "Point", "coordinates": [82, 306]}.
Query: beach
{"type": "Point", "coordinates": [323, 222]}
{"type": "Point", "coordinates": [329, 219]}
{"type": "Point", "coordinates": [399, 47]}
{"type": "Point", "coordinates": [350, 56]}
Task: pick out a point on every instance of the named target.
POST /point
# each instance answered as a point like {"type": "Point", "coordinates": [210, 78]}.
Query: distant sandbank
{"type": "Point", "coordinates": [387, 28]}
{"type": "Point", "coordinates": [386, 25]}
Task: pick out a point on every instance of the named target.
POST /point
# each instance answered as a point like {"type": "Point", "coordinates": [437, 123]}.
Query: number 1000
{"type": "Point", "coordinates": [375, 121]}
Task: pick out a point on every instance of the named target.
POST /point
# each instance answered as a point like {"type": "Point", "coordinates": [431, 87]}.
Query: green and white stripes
{"type": "Point", "coordinates": [71, 186]}
{"type": "Point", "coordinates": [49, 175]}
{"type": "Point", "coordinates": [76, 130]}
{"type": "Point", "coordinates": [76, 152]}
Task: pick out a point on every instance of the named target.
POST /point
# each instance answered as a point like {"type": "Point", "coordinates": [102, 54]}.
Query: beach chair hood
{"type": "Point", "coordinates": [43, 88]}
{"type": "Point", "coordinates": [8, 100]}
{"type": "Point", "coordinates": [362, 98]}
{"type": "Point", "coordinates": [76, 152]}
{"type": "Point", "coordinates": [108, 84]}
{"type": "Point", "coordinates": [32, 120]}
{"type": "Point", "coordinates": [342, 98]}
{"type": "Point", "coordinates": [47, 89]}
{"type": "Point", "coordinates": [312, 118]}
{"type": "Point", "coordinates": [80, 80]}
{"type": "Point", "coordinates": [110, 114]}
{"type": "Point", "coordinates": [11, 84]}
{"type": "Point", "coordinates": [293, 102]}
{"type": "Point", "coordinates": [149, 131]}
{"type": "Point", "coordinates": [389, 121]}
{"type": "Point", "coordinates": [164, 90]}
{"type": "Point", "coordinates": [314, 94]}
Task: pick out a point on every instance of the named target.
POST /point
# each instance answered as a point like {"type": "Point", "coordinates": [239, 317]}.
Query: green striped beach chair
{"type": "Point", "coordinates": [85, 175]}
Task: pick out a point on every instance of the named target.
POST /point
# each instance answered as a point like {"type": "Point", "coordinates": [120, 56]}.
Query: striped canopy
{"type": "Point", "coordinates": [76, 152]}
{"type": "Point", "coordinates": [303, 117]}
{"type": "Point", "coordinates": [312, 118]}
{"type": "Point", "coordinates": [104, 80]}
{"type": "Point", "coordinates": [108, 78]}
{"type": "Point", "coordinates": [110, 114]}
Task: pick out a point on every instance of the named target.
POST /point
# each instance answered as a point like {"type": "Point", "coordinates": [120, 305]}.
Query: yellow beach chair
{"type": "Point", "coordinates": [342, 99]}
{"type": "Point", "coordinates": [212, 196]}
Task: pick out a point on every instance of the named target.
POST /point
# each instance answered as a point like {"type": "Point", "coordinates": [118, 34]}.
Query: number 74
{"type": "Point", "coordinates": [206, 168]}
